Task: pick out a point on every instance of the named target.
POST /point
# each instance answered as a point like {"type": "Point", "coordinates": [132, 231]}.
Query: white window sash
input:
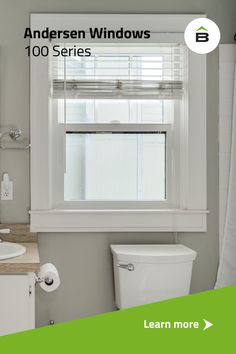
{"type": "Point", "coordinates": [137, 128]}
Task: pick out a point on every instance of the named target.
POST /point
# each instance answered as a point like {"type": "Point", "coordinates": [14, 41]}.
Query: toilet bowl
{"type": "Point", "coordinates": [150, 273]}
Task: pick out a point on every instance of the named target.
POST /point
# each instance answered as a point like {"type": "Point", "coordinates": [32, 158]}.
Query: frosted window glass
{"type": "Point", "coordinates": [115, 166]}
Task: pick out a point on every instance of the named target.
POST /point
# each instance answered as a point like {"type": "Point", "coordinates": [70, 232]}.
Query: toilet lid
{"type": "Point", "coordinates": [153, 253]}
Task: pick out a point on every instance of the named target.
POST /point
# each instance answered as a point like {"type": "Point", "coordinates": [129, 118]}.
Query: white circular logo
{"type": "Point", "coordinates": [202, 35]}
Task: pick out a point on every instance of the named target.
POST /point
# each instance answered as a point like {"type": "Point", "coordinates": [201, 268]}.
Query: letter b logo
{"type": "Point", "coordinates": [202, 37]}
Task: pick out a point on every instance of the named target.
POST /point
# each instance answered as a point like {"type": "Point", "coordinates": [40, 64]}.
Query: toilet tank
{"type": "Point", "coordinates": [150, 273]}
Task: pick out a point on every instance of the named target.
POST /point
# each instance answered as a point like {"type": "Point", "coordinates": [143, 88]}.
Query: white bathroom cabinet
{"type": "Point", "coordinates": [17, 302]}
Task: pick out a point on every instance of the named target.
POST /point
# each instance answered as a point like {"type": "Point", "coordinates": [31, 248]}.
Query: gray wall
{"type": "Point", "coordinates": [84, 260]}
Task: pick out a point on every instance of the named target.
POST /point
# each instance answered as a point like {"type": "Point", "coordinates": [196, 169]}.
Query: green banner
{"type": "Point", "coordinates": [198, 323]}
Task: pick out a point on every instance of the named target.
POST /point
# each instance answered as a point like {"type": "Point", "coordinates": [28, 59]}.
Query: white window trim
{"type": "Point", "coordinates": [191, 215]}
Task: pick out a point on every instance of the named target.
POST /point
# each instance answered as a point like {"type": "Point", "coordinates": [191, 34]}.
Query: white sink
{"type": "Point", "coordinates": [10, 250]}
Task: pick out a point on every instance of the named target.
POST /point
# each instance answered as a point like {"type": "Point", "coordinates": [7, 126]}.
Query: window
{"type": "Point", "coordinates": [118, 108]}
{"type": "Point", "coordinates": [118, 127]}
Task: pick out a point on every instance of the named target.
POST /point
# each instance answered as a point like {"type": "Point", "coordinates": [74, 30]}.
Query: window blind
{"type": "Point", "coordinates": [154, 72]}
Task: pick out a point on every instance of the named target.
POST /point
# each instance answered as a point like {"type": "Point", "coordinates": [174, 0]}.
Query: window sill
{"type": "Point", "coordinates": [161, 220]}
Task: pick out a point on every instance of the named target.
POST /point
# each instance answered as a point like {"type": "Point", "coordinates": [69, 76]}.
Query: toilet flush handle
{"type": "Point", "coordinates": [129, 266]}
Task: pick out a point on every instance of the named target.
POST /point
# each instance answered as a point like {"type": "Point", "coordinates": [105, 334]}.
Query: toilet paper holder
{"type": "Point", "coordinates": [46, 280]}
{"type": "Point", "coordinates": [47, 277]}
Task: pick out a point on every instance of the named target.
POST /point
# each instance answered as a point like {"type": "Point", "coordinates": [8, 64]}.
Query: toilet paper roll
{"type": "Point", "coordinates": [51, 280]}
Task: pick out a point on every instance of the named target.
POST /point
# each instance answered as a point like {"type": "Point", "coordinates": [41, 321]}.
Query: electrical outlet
{"type": "Point", "coordinates": [6, 188]}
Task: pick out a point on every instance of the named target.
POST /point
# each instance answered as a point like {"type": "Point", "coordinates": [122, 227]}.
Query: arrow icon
{"type": "Point", "coordinates": [207, 324]}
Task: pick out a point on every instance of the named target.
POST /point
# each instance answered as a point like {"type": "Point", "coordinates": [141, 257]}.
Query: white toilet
{"type": "Point", "coordinates": [150, 273]}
